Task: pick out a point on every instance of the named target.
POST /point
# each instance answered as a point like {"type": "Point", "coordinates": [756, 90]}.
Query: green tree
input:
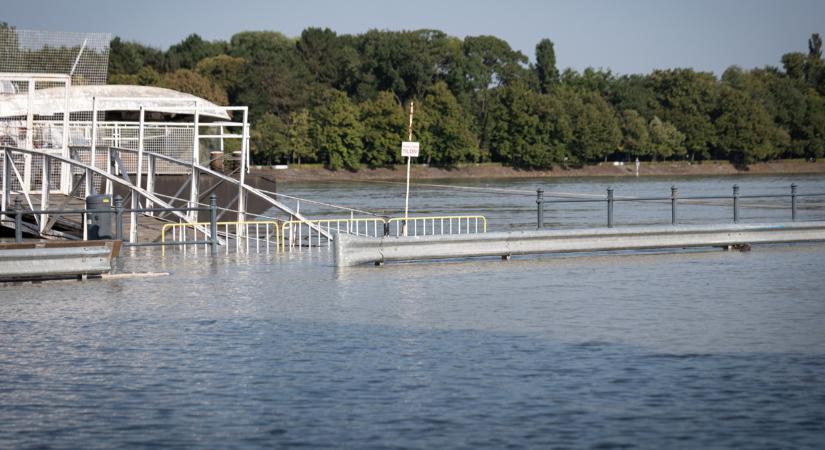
{"type": "Point", "coordinates": [489, 62]}
{"type": "Point", "coordinates": [529, 130]}
{"type": "Point", "coordinates": [338, 132]}
{"type": "Point", "coordinates": [794, 64]}
{"type": "Point", "coordinates": [546, 70]}
{"type": "Point", "coordinates": [224, 70]}
{"type": "Point", "coordinates": [127, 58]}
{"type": "Point", "coordinates": [185, 80]}
{"type": "Point", "coordinates": [688, 100]}
{"type": "Point", "coordinates": [665, 140]}
{"type": "Point", "coordinates": [596, 130]}
{"type": "Point", "coordinates": [812, 132]}
{"type": "Point", "coordinates": [299, 138]}
{"type": "Point", "coordinates": [384, 129]}
{"type": "Point", "coordinates": [445, 136]}
{"type": "Point", "coordinates": [331, 60]}
{"type": "Point", "coordinates": [635, 135]}
{"type": "Point", "coordinates": [273, 78]}
{"type": "Point", "coordinates": [187, 53]}
{"type": "Point", "coordinates": [744, 129]}
{"type": "Point", "coordinates": [270, 138]}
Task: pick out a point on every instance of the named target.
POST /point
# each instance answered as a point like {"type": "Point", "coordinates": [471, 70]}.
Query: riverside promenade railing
{"type": "Point", "coordinates": [674, 199]}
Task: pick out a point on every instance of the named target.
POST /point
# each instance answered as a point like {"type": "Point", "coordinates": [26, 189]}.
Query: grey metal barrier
{"type": "Point", "coordinates": [610, 199]}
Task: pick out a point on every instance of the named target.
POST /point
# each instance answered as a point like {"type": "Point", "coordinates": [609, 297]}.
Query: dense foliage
{"type": "Point", "coordinates": [341, 100]}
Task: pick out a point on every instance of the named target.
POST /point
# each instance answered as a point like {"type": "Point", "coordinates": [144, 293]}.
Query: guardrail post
{"type": "Point", "coordinates": [213, 223]}
{"type": "Point", "coordinates": [119, 217]}
{"type": "Point", "coordinates": [610, 207]}
{"type": "Point", "coordinates": [793, 202]}
{"type": "Point", "coordinates": [18, 221]}
{"type": "Point", "coordinates": [539, 208]}
{"type": "Point", "coordinates": [735, 203]}
{"type": "Point", "coordinates": [673, 193]}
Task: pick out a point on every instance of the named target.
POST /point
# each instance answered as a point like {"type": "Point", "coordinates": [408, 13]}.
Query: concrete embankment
{"type": "Point", "coordinates": [315, 172]}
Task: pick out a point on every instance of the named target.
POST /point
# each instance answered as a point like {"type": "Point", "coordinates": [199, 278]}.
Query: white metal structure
{"type": "Point", "coordinates": [48, 153]}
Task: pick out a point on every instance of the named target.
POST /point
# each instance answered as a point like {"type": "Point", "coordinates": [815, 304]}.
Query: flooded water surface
{"type": "Point", "coordinates": [697, 349]}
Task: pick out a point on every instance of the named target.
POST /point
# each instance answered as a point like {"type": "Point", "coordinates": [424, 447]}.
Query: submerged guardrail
{"type": "Point", "coordinates": [352, 250]}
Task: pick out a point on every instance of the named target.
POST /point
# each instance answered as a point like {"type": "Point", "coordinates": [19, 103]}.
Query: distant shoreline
{"type": "Point", "coordinates": [316, 172]}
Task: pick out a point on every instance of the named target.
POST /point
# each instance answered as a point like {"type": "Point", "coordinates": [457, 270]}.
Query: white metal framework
{"type": "Point", "coordinates": [47, 154]}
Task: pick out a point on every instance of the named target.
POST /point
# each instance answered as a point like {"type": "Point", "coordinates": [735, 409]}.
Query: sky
{"type": "Point", "coordinates": [623, 36]}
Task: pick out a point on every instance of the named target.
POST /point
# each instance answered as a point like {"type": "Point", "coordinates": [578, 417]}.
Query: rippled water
{"type": "Point", "coordinates": [689, 349]}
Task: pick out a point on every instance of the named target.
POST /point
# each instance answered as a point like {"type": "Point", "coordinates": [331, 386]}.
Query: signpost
{"type": "Point", "coordinates": [410, 150]}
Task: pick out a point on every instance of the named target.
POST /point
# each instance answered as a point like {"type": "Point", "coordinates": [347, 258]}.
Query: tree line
{"type": "Point", "coordinates": [341, 100]}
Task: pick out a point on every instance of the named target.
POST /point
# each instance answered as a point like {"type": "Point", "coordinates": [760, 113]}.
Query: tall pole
{"type": "Point", "coordinates": [409, 159]}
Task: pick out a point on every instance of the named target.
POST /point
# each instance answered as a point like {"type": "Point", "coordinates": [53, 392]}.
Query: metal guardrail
{"type": "Point", "coordinates": [353, 250]}
{"type": "Point", "coordinates": [610, 199]}
{"type": "Point", "coordinates": [265, 235]}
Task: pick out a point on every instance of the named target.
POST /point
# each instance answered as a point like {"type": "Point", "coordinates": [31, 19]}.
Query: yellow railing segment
{"type": "Point", "coordinates": [264, 235]}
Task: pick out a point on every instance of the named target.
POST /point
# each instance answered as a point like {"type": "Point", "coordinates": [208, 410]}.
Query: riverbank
{"type": "Point", "coordinates": [316, 172]}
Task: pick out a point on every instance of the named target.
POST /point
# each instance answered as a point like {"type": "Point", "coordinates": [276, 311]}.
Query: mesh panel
{"type": "Point", "coordinates": [83, 55]}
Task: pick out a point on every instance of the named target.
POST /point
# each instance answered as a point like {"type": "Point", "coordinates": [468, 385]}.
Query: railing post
{"type": "Point", "coordinates": [609, 207]}
{"type": "Point", "coordinates": [18, 221]}
{"type": "Point", "coordinates": [735, 203]}
{"type": "Point", "coordinates": [673, 193]}
{"type": "Point", "coordinates": [539, 208]}
{"type": "Point", "coordinates": [793, 202]}
{"type": "Point", "coordinates": [118, 217]}
{"type": "Point", "coordinates": [213, 223]}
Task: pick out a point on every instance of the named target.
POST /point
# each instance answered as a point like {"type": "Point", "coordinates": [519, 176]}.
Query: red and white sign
{"type": "Point", "coordinates": [410, 149]}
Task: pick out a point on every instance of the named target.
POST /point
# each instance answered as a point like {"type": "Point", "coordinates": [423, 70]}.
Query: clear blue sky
{"type": "Point", "coordinates": [625, 36]}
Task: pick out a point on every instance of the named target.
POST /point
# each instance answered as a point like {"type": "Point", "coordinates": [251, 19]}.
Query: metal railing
{"type": "Point", "coordinates": [362, 226]}
{"type": "Point", "coordinates": [260, 235]}
{"type": "Point", "coordinates": [298, 231]}
{"type": "Point", "coordinates": [439, 225]}
{"type": "Point", "coordinates": [674, 199]}
{"type": "Point", "coordinates": [210, 234]}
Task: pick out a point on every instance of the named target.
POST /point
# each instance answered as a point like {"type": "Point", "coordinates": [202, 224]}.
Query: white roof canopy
{"type": "Point", "coordinates": [112, 97]}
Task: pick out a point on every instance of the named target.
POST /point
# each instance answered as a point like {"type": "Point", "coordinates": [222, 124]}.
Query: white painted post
{"type": "Point", "coordinates": [65, 169]}
{"type": "Point", "coordinates": [150, 181]}
{"type": "Point", "coordinates": [193, 185]}
{"type": "Point", "coordinates": [27, 158]}
{"type": "Point", "coordinates": [93, 160]}
{"type": "Point", "coordinates": [244, 166]}
{"type": "Point", "coordinates": [138, 177]}
{"type": "Point", "coordinates": [45, 187]}
{"type": "Point", "coordinates": [409, 162]}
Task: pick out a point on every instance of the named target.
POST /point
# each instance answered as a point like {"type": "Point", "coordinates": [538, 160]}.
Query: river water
{"type": "Point", "coordinates": [698, 349]}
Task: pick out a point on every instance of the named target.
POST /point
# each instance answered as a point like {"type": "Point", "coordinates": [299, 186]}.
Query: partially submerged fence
{"type": "Point", "coordinates": [674, 200]}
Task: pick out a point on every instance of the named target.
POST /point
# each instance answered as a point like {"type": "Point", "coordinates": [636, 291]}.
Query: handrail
{"type": "Point", "coordinates": [441, 219]}
{"type": "Point", "coordinates": [204, 169]}
{"type": "Point", "coordinates": [328, 222]}
{"type": "Point", "coordinates": [101, 173]}
{"type": "Point", "coordinates": [275, 225]}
